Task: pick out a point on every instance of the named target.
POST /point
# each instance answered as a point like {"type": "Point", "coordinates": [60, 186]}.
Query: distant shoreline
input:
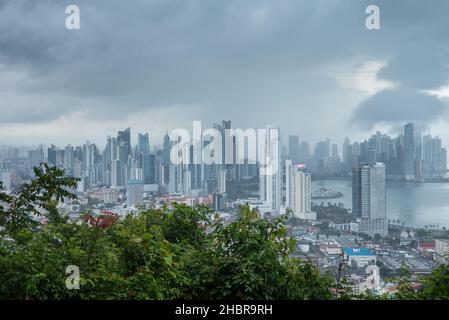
{"type": "Point", "coordinates": [446, 180]}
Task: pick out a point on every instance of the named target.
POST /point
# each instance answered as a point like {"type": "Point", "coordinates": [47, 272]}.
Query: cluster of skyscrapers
{"type": "Point", "coordinates": [284, 177]}
{"type": "Point", "coordinates": [122, 166]}
{"type": "Point", "coordinates": [410, 155]}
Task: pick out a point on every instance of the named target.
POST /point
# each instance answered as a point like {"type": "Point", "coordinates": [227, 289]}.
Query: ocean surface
{"type": "Point", "coordinates": [416, 204]}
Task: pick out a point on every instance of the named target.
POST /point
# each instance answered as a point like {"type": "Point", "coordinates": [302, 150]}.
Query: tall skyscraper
{"type": "Point", "coordinates": [124, 139]}
{"type": "Point", "coordinates": [187, 182]}
{"type": "Point", "coordinates": [335, 163]}
{"type": "Point", "coordinates": [444, 159]}
{"type": "Point", "coordinates": [143, 157]}
{"type": "Point", "coordinates": [165, 164]}
{"type": "Point", "coordinates": [369, 198]}
{"type": "Point", "coordinates": [143, 143]}
{"type": "Point", "coordinates": [118, 174]}
{"type": "Point", "coordinates": [5, 177]}
{"type": "Point", "coordinates": [427, 153]}
{"type": "Point", "coordinates": [322, 157]}
{"type": "Point", "coordinates": [175, 172]}
{"type": "Point", "coordinates": [347, 155]}
{"type": "Point", "coordinates": [68, 160]}
{"type": "Point", "coordinates": [35, 157]}
{"type": "Point", "coordinates": [270, 172]}
{"type": "Point", "coordinates": [409, 148]}
{"type": "Point", "coordinates": [288, 177]}
{"type": "Point", "coordinates": [51, 155]}
{"type": "Point", "coordinates": [221, 181]}
{"type": "Point", "coordinates": [226, 143]}
{"type": "Point", "coordinates": [89, 151]}
{"type": "Point", "coordinates": [357, 190]}
{"type": "Point", "coordinates": [109, 154]}
{"type": "Point", "coordinates": [418, 149]}
{"type": "Point", "coordinates": [301, 193]}
{"type": "Point", "coordinates": [293, 148]}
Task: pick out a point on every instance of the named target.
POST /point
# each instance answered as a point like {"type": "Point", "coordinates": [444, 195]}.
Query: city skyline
{"type": "Point", "coordinates": [411, 155]}
{"type": "Point", "coordinates": [335, 146]}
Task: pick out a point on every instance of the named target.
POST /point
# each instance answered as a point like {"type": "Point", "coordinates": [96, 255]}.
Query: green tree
{"type": "Point", "coordinates": [436, 285]}
{"type": "Point", "coordinates": [249, 259]}
{"type": "Point", "coordinates": [40, 197]}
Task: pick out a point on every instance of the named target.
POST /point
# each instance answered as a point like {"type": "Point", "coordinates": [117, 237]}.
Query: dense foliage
{"type": "Point", "coordinates": [175, 252]}
{"type": "Point", "coordinates": [333, 212]}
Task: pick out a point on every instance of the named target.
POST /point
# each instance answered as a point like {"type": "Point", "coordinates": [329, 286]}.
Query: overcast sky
{"type": "Point", "coordinates": [309, 66]}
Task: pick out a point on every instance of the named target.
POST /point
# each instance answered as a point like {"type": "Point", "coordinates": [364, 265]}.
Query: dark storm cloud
{"type": "Point", "coordinates": [414, 68]}
{"type": "Point", "coordinates": [235, 59]}
{"type": "Point", "coordinates": [422, 65]}
{"type": "Point", "coordinates": [418, 60]}
{"type": "Point", "coordinates": [147, 54]}
{"type": "Point", "coordinates": [399, 105]}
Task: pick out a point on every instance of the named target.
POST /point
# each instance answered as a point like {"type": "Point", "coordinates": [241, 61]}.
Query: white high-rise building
{"type": "Point", "coordinates": [175, 178]}
{"type": "Point", "coordinates": [270, 173]}
{"type": "Point", "coordinates": [136, 173]}
{"type": "Point", "coordinates": [370, 198]}
{"type": "Point", "coordinates": [221, 185]}
{"type": "Point", "coordinates": [117, 174]}
{"type": "Point", "coordinates": [187, 182]}
{"type": "Point", "coordinates": [288, 177]}
{"type": "Point", "coordinates": [68, 160]}
{"type": "Point", "coordinates": [301, 193]}
{"type": "Point", "coordinates": [35, 157]}
{"type": "Point", "coordinates": [162, 176]}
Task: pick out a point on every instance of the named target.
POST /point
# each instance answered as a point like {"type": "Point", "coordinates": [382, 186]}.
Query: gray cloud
{"type": "Point", "coordinates": [418, 60]}
{"type": "Point", "coordinates": [249, 61]}
{"type": "Point", "coordinates": [399, 105]}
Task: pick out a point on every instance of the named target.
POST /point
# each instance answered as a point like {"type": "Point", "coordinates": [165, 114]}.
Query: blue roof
{"type": "Point", "coordinates": [134, 181]}
{"type": "Point", "coordinates": [358, 252]}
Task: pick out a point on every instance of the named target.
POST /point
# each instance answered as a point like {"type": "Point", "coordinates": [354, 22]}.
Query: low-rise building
{"type": "Point", "coordinates": [359, 257]}
{"type": "Point", "coordinates": [426, 249]}
{"type": "Point", "coordinates": [346, 227]}
{"type": "Point", "coordinates": [330, 248]}
{"type": "Point", "coordinates": [426, 246]}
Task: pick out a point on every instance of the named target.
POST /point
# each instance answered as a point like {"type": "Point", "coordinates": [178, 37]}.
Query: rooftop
{"type": "Point", "coordinates": [358, 252]}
